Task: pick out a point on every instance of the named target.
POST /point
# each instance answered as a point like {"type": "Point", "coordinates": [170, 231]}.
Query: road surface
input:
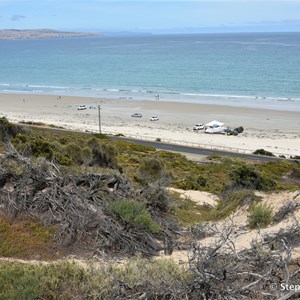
{"type": "Point", "coordinates": [195, 150]}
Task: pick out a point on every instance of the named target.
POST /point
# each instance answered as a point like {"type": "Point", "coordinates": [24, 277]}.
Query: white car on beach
{"type": "Point", "coordinates": [154, 118]}
{"type": "Point", "coordinates": [199, 126]}
{"type": "Point", "coordinates": [136, 115]}
{"type": "Point", "coordinates": [216, 130]}
{"type": "Point", "coordinates": [81, 107]}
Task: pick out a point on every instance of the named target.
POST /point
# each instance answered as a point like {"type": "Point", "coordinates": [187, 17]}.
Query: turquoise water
{"type": "Point", "coordinates": [241, 68]}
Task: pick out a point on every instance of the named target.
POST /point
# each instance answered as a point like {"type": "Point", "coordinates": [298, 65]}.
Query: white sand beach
{"type": "Point", "coordinates": [277, 131]}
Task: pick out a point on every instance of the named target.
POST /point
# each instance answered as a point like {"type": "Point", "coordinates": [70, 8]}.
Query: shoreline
{"type": "Point", "coordinates": [249, 101]}
{"type": "Point", "coordinates": [277, 131]}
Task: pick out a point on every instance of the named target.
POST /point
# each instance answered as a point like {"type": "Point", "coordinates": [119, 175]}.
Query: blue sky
{"type": "Point", "coordinates": [152, 16]}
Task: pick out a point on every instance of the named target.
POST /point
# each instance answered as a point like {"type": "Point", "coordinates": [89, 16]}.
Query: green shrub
{"type": "Point", "coordinates": [247, 177]}
{"type": "Point", "coordinates": [104, 155]}
{"type": "Point", "coordinates": [74, 152]}
{"type": "Point", "coordinates": [260, 215]}
{"type": "Point", "coordinates": [40, 124]}
{"type": "Point", "coordinates": [33, 146]}
{"type": "Point", "coordinates": [63, 141]}
{"type": "Point", "coordinates": [86, 155]}
{"type": "Point", "coordinates": [191, 182]}
{"type": "Point", "coordinates": [263, 152]}
{"type": "Point", "coordinates": [37, 146]}
{"type": "Point", "coordinates": [157, 198]}
{"type": "Point", "coordinates": [18, 281]}
{"type": "Point", "coordinates": [186, 184]}
{"type": "Point", "coordinates": [101, 136]}
{"type": "Point", "coordinates": [130, 147]}
{"type": "Point", "coordinates": [214, 156]}
{"type": "Point", "coordinates": [8, 130]}
{"type": "Point", "coordinates": [134, 213]}
{"type": "Point", "coordinates": [201, 181]}
{"type": "Point", "coordinates": [12, 167]}
{"type": "Point", "coordinates": [295, 173]}
{"type": "Point", "coordinates": [151, 169]}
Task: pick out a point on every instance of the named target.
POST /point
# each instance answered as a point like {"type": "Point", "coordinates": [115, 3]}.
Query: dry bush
{"type": "Point", "coordinates": [285, 211]}
{"type": "Point", "coordinates": [77, 205]}
{"type": "Point", "coordinates": [221, 272]}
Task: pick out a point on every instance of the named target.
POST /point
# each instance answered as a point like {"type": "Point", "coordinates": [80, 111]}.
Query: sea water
{"type": "Point", "coordinates": [249, 69]}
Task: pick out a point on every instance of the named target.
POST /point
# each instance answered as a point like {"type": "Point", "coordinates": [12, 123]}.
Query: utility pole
{"type": "Point", "coordinates": [99, 116]}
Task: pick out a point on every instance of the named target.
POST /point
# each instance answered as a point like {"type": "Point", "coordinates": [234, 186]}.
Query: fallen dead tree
{"type": "Point", "coordinates": [75, 204]}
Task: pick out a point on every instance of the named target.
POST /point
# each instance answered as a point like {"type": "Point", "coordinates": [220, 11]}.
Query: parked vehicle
{"type": "Point", "coordinates": [81, 107]}
{"type": "Point", "coordinates": [154, 118]}
{"type": "Point", "coordinates": [199, 126]}
{"type": "Point", "coordinates": [235, 131]}
{"type": "Point", "coordinates": [216, 129]}
{"type": "Point", "coordinates": [231, 132]}
{"type": "Point", "coordinates": [136, 115]}
{"type": "Point", "coordinates": [239, 129]}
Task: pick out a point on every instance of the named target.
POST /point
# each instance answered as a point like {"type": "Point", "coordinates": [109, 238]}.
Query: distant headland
{"type": "Point", "coordinates": [15, 34]}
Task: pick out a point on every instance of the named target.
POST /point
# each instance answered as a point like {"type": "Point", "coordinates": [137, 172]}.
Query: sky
{"type": "Point", "coordinates": [155, 16]}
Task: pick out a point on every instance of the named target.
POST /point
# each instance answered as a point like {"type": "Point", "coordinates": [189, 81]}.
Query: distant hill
{"type": "Point", "coordinates": [14, 34]}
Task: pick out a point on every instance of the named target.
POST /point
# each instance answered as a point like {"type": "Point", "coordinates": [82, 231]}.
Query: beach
{"type": "Point", "coordinates": [277, 131]}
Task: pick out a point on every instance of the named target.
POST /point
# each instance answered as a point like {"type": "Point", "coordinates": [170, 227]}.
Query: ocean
{"type": "Point", "coordinates": [249, 69]}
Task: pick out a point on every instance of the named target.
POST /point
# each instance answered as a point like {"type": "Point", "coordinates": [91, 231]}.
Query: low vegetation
{"type": "Point", "coordinates": [188, 212]}
{"type": "Point", "coordinates": [65, 193]}
{"type": "Point", "coordinates": [67, 280]}
{"type": "Point", "coordinates": [263, 152]}
{"type": "Point", "coordinates": [134, 213]}
{"type": "Point", "coordinates": [260, 215]}
{"type": "Point", "coordinates": [231, 201]}
{"type": "Point", "coordinates": [27, 238]}
{"type": "Point", "coordinates": [214, 272]}
{"type": "Point", "coordinates": [145, 167]}
{"type": "Point", "coordinates": [248, 177]}
{"type": "Point", "coordinates": [32, 123]}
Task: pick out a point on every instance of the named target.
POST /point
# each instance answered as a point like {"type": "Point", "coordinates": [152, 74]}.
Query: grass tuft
{"type": "Point", "coordinates": [260, 215]}
{"type": "Point", "coordinates": [134, 213]}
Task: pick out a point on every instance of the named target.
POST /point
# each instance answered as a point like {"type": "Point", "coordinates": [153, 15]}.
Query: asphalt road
{"type": "Point", "coordinates": [197, 151]}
